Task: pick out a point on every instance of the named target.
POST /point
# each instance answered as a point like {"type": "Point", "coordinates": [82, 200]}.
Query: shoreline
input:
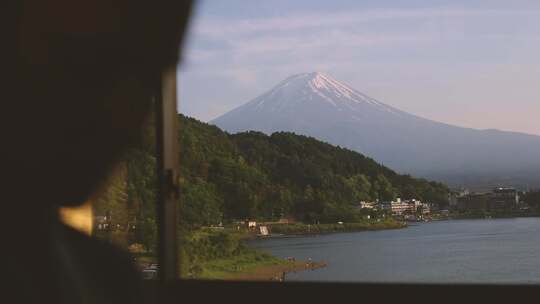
{"type": "Point", "coordinates": [272, 268]}
{"type": "Point", "coordinates": [487, 216]}
{"type": "Point", "coordinates": [211, 254]}
{"type": "Point", "coordinates": [286, 230]}
{"type": "Point", "coordinates": [278, 272]}
{"type": "Point", "coordinates": [274, 272]}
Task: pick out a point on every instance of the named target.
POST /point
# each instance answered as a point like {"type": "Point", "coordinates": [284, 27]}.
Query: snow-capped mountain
{"type": "Point", "coordinates": [317, 105]}
{"type": "Point", "coordinates": [302, 98]}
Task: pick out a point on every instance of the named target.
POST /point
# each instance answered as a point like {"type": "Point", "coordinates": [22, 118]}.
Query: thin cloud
{"type": "Point", "coordinates": [216, 27]}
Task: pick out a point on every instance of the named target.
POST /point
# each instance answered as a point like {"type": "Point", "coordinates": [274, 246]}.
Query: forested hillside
{"type": "Point", "coordinates": [252, 175]}
{"type": "Point", "coordinates": [249, 175]}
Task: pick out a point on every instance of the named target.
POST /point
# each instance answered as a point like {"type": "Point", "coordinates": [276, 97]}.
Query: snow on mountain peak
{"type": "Point", "coordinates": [323, 82]}
{"type": "Point", "coordinates": [326, 87]}
{"type": "Point", "coordinates": [317, 89]}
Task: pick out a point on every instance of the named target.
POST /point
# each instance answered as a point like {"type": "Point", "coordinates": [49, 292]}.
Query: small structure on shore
{"type": "Point", "coordinates": [263, 230]}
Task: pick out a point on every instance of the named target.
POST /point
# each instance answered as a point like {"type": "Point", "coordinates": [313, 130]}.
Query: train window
{"type": "Point", "coordinates": [352, 141]}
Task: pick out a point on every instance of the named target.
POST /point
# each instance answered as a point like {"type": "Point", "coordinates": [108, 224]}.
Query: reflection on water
{"type": "Point", "coordinates": [467, 251]}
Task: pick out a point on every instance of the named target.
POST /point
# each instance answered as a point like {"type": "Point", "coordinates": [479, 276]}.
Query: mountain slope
{"type": "Point", "coordinates": [253, 175]}
{"type": "Point", "coordinates": [317, 105]}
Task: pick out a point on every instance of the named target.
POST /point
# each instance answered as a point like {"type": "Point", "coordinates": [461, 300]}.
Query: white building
{"type": "Point", "coordinates": [368, 205]}
{"type": "Point", "coordinates": [399, 207]}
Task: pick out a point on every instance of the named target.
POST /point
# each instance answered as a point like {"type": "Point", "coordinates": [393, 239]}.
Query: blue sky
{"type": "Point", "coordinates": [469, 63]}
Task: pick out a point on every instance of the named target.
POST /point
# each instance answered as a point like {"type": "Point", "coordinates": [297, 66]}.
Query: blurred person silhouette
{"type": "Point", "coordinates": [78, 80]}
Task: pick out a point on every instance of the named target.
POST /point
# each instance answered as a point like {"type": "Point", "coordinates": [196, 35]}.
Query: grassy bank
{"type": "Point", "coordinates": [247, 261]}
{"type": "Point", "coordinates": [300, 228]}
{"type": "Point", "coordinates": [221, 255]}
{"type": "Point", "coordinates": [252, 265]}
{"type": "Point", "coordinates": [211, 254]}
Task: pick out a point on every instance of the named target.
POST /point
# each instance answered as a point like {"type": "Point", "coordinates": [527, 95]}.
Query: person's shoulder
{"type": "Point", "coordinates": [105, 266]}
{"type": "Point", "coordinates": [101, 259]}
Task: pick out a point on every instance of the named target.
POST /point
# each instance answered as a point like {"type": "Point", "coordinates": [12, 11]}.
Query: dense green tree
{"type": "Point", "coordinates": [266, 177]}
{"type": "Point", "coordinates": [201, 203]}
{"type": "Point", "coordinates": [383, 188]}
{"type": "Point", "coordinates": [360, 186]}
{"type": "Point", "coordinates": [251, 175]}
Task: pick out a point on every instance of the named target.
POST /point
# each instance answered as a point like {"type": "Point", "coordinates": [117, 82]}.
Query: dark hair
{"type": "Point", "coordinates": [78, 98]}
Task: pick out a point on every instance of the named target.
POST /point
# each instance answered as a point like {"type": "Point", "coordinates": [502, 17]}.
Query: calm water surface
{"type": "Point", "coordinates": [467, 251]}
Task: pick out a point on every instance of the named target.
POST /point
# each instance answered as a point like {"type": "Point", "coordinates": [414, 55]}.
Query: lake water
{"type": "Point", "coordinates": [455, 251]}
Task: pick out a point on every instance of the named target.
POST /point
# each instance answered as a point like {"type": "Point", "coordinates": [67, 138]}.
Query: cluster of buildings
{"type": "Point", "coordinates": [399, 207]}
{"type": "Point", "coordinates": [499, 199]}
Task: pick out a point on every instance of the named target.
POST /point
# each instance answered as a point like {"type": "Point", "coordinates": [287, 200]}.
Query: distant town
{"type": "Point", "coordinates": [500, 201]}
{"type": "Point", "coordinates": [412, 209]}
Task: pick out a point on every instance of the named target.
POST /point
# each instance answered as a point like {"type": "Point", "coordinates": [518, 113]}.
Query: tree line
{"type": "Point", "coordinates": [252, 175]}
{"type": "Point", "coordinates": [226, 177]}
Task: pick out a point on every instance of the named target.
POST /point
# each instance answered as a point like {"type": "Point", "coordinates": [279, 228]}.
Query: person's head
{"type": "Point", "coordinates": [81, 85]}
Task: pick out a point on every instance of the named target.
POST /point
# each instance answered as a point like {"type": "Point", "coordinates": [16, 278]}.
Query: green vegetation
{"type": "Point", "coordinates": [225, 178]}
{"type": "Point", "coordinates": [208, 254]}
{"type": "Point", "coordinates": [255, 176]}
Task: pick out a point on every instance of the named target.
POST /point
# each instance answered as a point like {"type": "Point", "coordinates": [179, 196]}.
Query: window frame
{"type": "Point", "coordinates": [171, 287]}
{"type": "Point", "coordinates": [168, 191]}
